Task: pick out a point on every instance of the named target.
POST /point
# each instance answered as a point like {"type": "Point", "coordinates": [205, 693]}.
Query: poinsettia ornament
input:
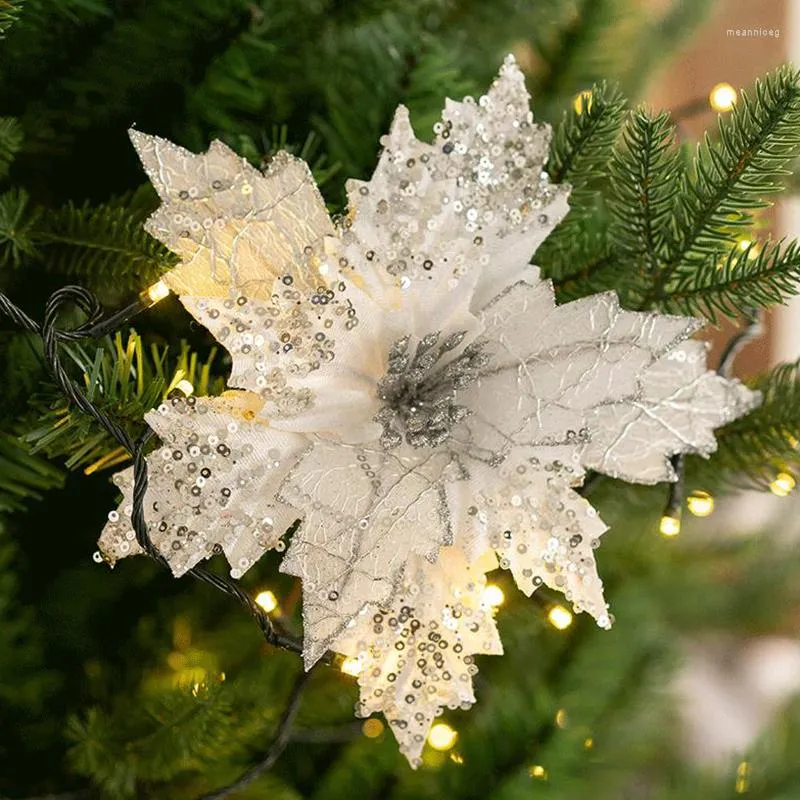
{"type": "Point", "coordinates": [404, 382]}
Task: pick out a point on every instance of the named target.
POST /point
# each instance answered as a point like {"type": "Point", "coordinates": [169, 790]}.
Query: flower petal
{"type": "Point", "coordinates": [367, 512]}
{"type": "Point", "coordinates": [416, 652]}
{"type": "Point", "coordinates": [310, 353]}
{"type": "Point", "coordinates": [211, 487]}
{"type": "Point", "coordinates": [681, 404]}
{"type": "Point", "coordinates": [549, 539]}
{"type": "Point", "coordinates": [476, 201]}
{"type": "Point", "coordinates": [234, 228]}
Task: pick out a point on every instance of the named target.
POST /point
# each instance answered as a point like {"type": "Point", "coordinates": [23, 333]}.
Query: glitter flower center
{"type": "Point", "coordinates": [419, 389]}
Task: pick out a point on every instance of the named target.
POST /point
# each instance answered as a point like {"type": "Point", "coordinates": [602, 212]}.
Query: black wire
{"type": "Point", "coordinates": [751, 330]}
{"type": "Point", "coordinates": [283, 735]}
{"type": "Point", "coordinates": [95, 327]}
{"type": "Point", "coordinates": [677, 489]}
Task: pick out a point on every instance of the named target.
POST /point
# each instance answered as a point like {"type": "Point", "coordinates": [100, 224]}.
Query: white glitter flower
{"type": "Point", "coordinates": [409, 388]}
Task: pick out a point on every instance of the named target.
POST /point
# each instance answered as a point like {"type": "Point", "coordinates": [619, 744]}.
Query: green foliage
{"type": "Point", "coordinates": [23, 476]}
{"type": "Point", "coordinates": [576, 52]}
{"type": "Point", "coordinates": [579, 155]}
{"type": "Point", "coordinates": [435, 75]}
{"type": "Point", "coordinates": [9, 13]}
{"type": "Point", "coordinates": [582, 142]}
{"type": "Point", "coordinates": [17, 652]}
{"type": "Point", "coordinates": [123, 378]}
{"type": "Point", "coordinates": [169, 731]}
{"type": "Point", "coordinates": [26, 682]}
{"type": "Point", "coordinates": [17, 221]}
{"type": "Point", "coordinates": [11, 137]}
{"type": "Point", "coordinates": [157, 45]}
{"type": "Point", "coordinates": [149, 714]}
{"type": "Point", "coordinates": [101, 247]}
{"type": "Point", "coordinates": [732, 177]}
{"type": "Point", "coordinates": [664, 231]}
{"type": "Point", "coordinates": [753, 449]}
{"type": "Point", "coordinates": [763, 274]}
{"type": "Point", "coordinates": [645, 175]}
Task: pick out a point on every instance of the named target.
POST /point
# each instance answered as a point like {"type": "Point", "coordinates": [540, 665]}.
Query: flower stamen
{"type": "Point", "coordinates": [419, 390]}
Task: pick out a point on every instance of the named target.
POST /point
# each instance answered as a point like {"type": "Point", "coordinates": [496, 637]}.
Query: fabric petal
{"type": "Point", "coordinates": [416, 653]}
{"type": "Point", "coordinates": [680, 405]}
{"type": "Point", "coordinates": [211, 486]}
{"type": "Point", "coordinates": [367, 511]}
{"type": "Point", "coordinates": [476, 201]}
{"type": "Point", "coordinates": [234, 228]}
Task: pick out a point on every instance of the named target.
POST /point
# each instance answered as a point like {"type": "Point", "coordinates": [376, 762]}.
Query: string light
{"type": "Point", "coordinates": [561, 718]}
{"type": "Point", "coordinates": [157, 292]}
{"type": "Point", "coordinates": [442, 736]}
{"type": "Point", "coordinates": [457, 758]}
{"type": "Point", "coordinates": [559, 617]}
{"type": "Point", "coordinates": [493, 596]}
{"type": "Point", "coordinates": [722, 97]}
{"type": "Point", "coordinates": [185, 387]}
{"type": "Point", "coordinates": [670, 526]}
{"type": "Point", "coordinates": [783, 484]}
{"type": "Point", "coordinates": [582, 101]}
{"type": "Point", "coordinates": [588, 743]}
{"type": "Point", "coordinates": [538, 771]}
{"type": "Point", "coordinates": [742, 777]}
{"type": "Point", "coordinates": [700, 503]}
{"type": "Point", "coordinates": [267, 601]}
{"type": "Point", "coordinates": [352, 666]}
{"type": "Point", "coordinates": [372, 728]}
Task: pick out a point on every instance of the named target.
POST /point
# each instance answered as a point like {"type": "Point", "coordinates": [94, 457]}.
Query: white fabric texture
{"type": "Point", "coordinates": [408, 387]}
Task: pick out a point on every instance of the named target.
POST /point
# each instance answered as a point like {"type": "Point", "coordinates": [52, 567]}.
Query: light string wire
{"type": "Point", "coordinates": [95, 327]}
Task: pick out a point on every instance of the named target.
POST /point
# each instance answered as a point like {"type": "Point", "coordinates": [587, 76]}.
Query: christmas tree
{"type": "Point", "coordinates": [133, 684]}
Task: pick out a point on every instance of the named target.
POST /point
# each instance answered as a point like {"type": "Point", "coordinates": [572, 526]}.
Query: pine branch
{"type": "Point", "coordinates": [23, 476]}
{"type": "Point", "coordinates": [753, 449]}
{"type": "Point", "coordinates": [188, 724]}
{"type": "Point", "coordinates": [48, 37]}
{"type": "Point", "coordinates": [579, 154]}
{"type": "Point", "coordinates": [161, 735]}
{"type": "Point", "coordinates": [9, 13]}
{"type": "Point", "coordinates": [761, 275]}
{"type": "Point", "coordinates": [155, 46]}
{"type": "Point", "coordinates": [278, 744]}
{"type": "Point", "coordinates": [123, 379]}
{"type": "Point", "coordinates": [578, 263]}
{"type": "Point", "coordinates": [17, 223]}
{"type": "Point", "coordinates": [582, 141]}
{"type": "Point", "coordinates": [732, 177]}
{"type": "Point", "coordinates": [11, 138]}
{"type": "Point", "coordinates": [645, 174]}
{"type": "Point", "coordinates": [101, 246]}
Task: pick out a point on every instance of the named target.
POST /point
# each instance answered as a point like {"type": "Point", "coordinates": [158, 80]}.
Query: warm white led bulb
{"type": "Point", "coordinates": [442, 736]}
{"type": "Point", "coordinates": [559, 617]}
{"type": "Point", "coordinates": [722, 97]}
{"type": "Point", "coordinates": [267, 600]}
